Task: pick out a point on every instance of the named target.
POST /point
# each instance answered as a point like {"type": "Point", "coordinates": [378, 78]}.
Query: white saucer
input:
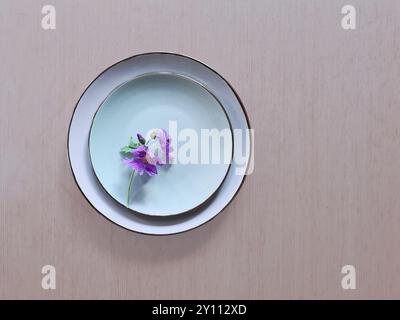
{"type": "Point", "coordinates": [98, 91]}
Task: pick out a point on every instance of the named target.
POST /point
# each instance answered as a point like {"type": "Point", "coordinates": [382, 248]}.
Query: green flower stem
{"type": "Point", "coordinates": [129, 188]}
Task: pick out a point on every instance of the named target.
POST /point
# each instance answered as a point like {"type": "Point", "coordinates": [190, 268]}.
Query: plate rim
{"type": "Point", "coordinates": [202, 86]}
{"type": "Point", "coordinates": [243, 109]}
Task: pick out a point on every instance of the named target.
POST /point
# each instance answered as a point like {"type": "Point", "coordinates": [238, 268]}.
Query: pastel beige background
{"type": "Point", "coordinates": [325, 106]}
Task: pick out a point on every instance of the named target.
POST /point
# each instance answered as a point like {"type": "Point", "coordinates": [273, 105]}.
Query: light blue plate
{"type": "Point", "coordinates": [153, 101]}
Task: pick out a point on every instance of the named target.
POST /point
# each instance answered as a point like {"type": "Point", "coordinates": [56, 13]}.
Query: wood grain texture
{"type": "Point", "coordinates": [325, 107]}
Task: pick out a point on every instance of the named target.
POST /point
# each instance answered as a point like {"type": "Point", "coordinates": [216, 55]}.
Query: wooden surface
{"type": "Point", "coordinates": [325, 106]}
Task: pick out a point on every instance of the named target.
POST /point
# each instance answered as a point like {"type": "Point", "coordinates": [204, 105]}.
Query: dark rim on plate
{"type": "Point", "coordinates": [209, 68]}
{"type": "Point", "coordinates": [203, 87]}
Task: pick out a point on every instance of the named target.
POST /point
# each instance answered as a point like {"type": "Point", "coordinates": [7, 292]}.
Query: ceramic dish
{"type": "Point", "coordinates": [100, 89]}
{"type": "Point", "coordinates": [159, 100]}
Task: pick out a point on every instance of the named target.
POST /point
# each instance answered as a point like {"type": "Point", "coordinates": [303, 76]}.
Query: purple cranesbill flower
{"type": "Point", "coordinates": [139, 163]}
{"type": "Point", "coordinates": [140, 166]}
{"type": "Point", "coordinates": [146, 155]}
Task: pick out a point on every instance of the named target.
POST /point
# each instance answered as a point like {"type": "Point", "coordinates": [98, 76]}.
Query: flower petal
{"type": "Point", "coordinates": [141, 139]}
{"type": "Point", "coordinates": [139, 152]}
{"type": "Point", "coordinates": [151, 169]}
{"type": "Point", "coordinates": [136, 164]}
